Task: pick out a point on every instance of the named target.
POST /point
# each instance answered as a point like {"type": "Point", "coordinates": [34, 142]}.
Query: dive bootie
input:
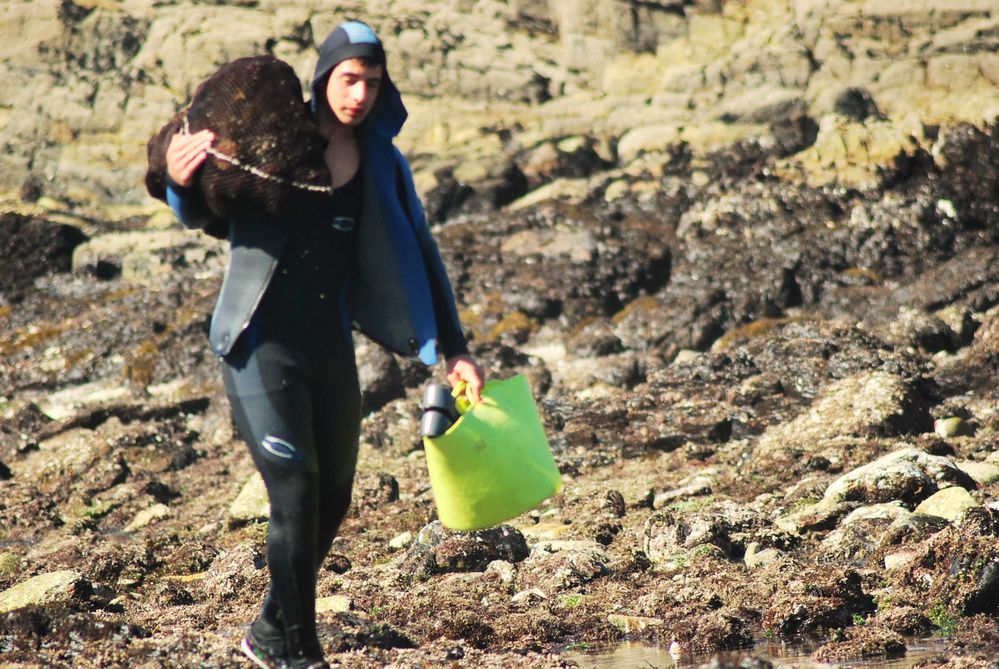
{"type": "Point", "coordinates": [266, 653]}
{"type": "Point", "coordinates": [304, 653]}
{"type": "Point", "coordinates": [439, 412]}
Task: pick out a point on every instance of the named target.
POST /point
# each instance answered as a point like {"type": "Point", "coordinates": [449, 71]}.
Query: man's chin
{"type": "Point", "coordinates": [352, 120]}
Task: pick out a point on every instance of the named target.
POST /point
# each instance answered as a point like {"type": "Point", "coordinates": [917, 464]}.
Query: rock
{"type": "Point", "coordinates": [594, 339]}
{"type": "Point", "coordinates": [909, 476]}
{"type": "Point", "coordinates": [985, 595]}
{"type": "Point", "coordinates": [437, 550]}
{"type": "Point", "coordinates": [379, 375]}
{"type": "Point", "coordinates": [147, 516]}
{"type": "Point", "coordinates": [504, 571]}
{"type": "Point", "coordinates": [862, 642]}
{"type": "Point", "coordinates": [36, 247]}
{"type": "Point", "coordinates": [685, 63]}
{"type": "Point", "coordinates": [572, 191]}
{"type": "Point", "coordinates": [807, 601]}
{"type": "Point", "coordinates": [77, 452]}
{"type": "Point", "coordinates": [555, 566]}
{"type": "Point", "coordinates": [401, 540]}
{"type": "Point", "coordinates": [860, 536]}
{"type": "Point", "coordinates": [648, 139]}
{"type": "Point", "coordinates": [573, 157]}
{"type": "Point", "coordinates": [544, 531]}
{"type": "Point", "coordinates": [577, 246]}
{"type": "Point", "coordinates": [9, 566]}
{"type": "Point", "coordinates": [338, 563]}
{"type": "Point", "coordinates": [821, 516]}
{"type": "Point", "coordinates": [868, 404]}
{"type": "Point", "coordinates": [529, 596]}
{"type": "Point", "coordinates": [375, 490]}
{"type": "Point", "coordinates": [915, 328]}
{"type": "Point", "coordinates": [958, 566]}
{"type": "Point", "coordinates": [234, 572]}
{"type": "Point", "coordinates": [700, 485]}
{"type": "Point", "coordinates": [139, 257]}
{"type": "Point", "coordinates": [911, 529]}
{"type": "Point", "coordinates": [850, 152]}
{"type": "Point", "coordinates": [126, 565]}
{"type": "Point", "coordinates": [853, 543]}
{"type": "Point", "coordinates": [757, 556]}
{"type": "Point", "coordinates": [982, 473]}
{"type": "Point", "coordinates": [948, 503]}
{"type": "Point", "coordinates": [952, 71]}
{"type": "Point", "coordinates": [333, 604]}
{"type": "Point", "coordinates": [686, 356]}
{"type": "Point", "coordinates": [670, 537]}
{"type": "Point", "coordinates": [954, 426]}
{"type": "Point", "coordinates": [629, 624]}
{"type": "Point", "coordinates": [889, 511]}
{"type": "Point", "coordinates": [75, 399]}
{"type": "Point", "coordinates": [583, 376]}
{"type": "Point", "coordinates": [856, 104]}
{"type": "Point", "coordinates": [53, 587]}
{"type": "Point", "coordinates": [900, 559]}
{"type": "Point", "coordinates": [762, 106]}
{"type": "Point", "coordinates": [905, 620]}
{"type": "Point", "coordinates": [251, 505]}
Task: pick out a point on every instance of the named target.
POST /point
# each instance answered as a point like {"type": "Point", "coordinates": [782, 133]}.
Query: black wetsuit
{"type": "Point", "coordinates": [292, 382]}
{"type": "Point", "coordinates": [281, 326]}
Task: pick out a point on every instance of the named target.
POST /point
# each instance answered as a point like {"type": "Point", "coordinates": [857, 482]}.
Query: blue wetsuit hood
{"type": "Point", "coordinates": [354, 39]}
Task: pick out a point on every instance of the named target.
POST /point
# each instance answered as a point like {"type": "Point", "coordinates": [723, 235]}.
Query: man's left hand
{"type": "Point", "coordinates": [465, 368]}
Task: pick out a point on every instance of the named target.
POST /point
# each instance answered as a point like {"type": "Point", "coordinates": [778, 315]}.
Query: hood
{"type": "Point", "coordinates": [354, 39]}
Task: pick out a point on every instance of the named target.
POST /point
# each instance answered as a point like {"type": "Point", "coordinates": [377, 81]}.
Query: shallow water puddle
{"type": "Point", "coordinates": [636, 655]}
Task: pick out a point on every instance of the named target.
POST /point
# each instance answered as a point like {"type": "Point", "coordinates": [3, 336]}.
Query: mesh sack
{"type": "Point", "coordinates": [267, 158]}
{"type": "Point", "coordinates": [156, 170]}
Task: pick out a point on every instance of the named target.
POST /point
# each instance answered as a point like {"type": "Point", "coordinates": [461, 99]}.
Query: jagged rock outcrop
{"type": "Point", "coordinates": [489, 82]}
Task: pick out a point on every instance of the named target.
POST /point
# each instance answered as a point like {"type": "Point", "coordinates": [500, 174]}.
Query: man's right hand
{"type": "Point", "coordinates": [186, 153]}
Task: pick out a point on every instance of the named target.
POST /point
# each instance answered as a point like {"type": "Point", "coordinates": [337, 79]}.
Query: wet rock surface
{"type": "Point", "coordinates": [764, 361]}
{"type": "Point", "coordinates": [781, 461]}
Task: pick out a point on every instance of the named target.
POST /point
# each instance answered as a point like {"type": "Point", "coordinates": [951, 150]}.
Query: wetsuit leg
{"type": "Point", "coordinates": [301, 423]}
{"type": "Point", "coordinates": [337, 431]}
{"type": "Point", "coordinates": [337, 435]}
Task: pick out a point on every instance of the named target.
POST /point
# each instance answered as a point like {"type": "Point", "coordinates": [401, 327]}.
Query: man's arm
{"type": "Point", "coordinates": [460, 365]}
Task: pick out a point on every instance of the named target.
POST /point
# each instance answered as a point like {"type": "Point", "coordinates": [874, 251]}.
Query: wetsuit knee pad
{"type": "Point", "coordinates": [280, 449]}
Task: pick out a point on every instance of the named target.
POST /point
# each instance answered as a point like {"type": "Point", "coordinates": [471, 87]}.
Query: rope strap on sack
{"type": "Point", "coordinates": [257, 172]}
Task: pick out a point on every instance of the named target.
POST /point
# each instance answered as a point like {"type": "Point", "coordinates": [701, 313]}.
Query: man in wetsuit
{"type": "Point", "coordinates": [292, 290]}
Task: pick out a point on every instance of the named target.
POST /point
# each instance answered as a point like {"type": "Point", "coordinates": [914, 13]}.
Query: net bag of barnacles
{"type": "Point", "coordinates": [267, 158]}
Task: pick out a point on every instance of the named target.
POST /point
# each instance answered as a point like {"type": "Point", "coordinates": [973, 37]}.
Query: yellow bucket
{"type": "Point", "coordinates": [494, 463]}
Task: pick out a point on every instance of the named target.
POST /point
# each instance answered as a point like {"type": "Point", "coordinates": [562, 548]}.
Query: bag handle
{"type": "Point", "coordinates": [461, 401]}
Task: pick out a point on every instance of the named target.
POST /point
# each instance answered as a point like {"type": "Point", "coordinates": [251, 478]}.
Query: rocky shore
{"type": "Point", "coordinates": [746, 254]}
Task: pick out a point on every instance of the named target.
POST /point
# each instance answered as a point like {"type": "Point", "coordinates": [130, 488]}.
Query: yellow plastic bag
{"type": "Point", "coordinates": [494, 463]}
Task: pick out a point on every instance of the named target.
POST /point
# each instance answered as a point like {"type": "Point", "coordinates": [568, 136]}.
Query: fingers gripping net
{"type": "Point", "coordinates": [268, 155]}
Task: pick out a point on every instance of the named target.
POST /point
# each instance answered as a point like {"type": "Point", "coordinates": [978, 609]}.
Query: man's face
{"type": "Point", "coordinates": [352, 90]}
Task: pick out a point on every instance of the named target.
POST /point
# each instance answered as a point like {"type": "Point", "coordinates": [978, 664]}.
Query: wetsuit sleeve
{"type": "Point", "coordinates": [450, 337]}
{"type": "Point", "coordinates": [192, 212]}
